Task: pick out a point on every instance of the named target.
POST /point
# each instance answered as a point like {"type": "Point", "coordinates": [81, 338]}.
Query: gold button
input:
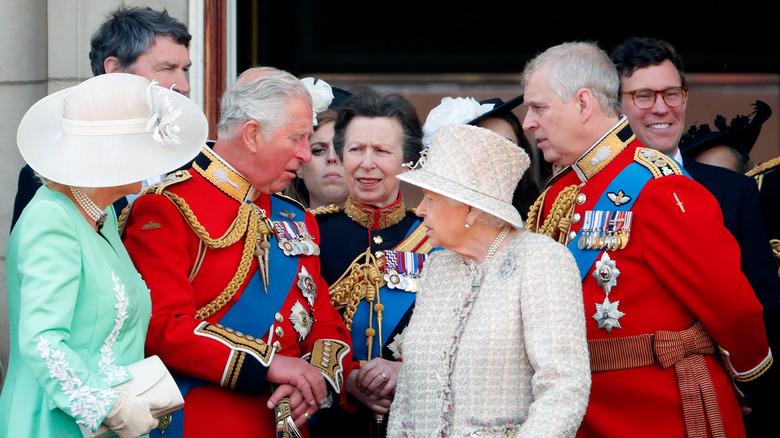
{"type": "Point", "coordinates": [279, 331]}
{"type": "Point", "coordinates": [279, 317]}
{"type": "Point", "coordinates": [576, 218]}
{"type": "Point", "coordinates": [581, 198]}
{"type": "Point", "coordinates": [379, 254]}
{"type": "Point", "coordinates": [378, 240]}
{"type": "Point", "coordinates": [572, 235]}
{"type": "Point", "coordinates": [277, 345]}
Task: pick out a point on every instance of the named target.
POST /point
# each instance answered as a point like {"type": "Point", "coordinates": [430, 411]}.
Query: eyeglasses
{"type": "Point", "coordinates": [644, 98]}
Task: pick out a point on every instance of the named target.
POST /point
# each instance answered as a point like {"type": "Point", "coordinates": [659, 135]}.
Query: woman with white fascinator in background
{"type": "Point", "coordinates": [78, 308]}
{"type": "Point", "coordinates": [496, 345]}
{"type": "Point", "coordinates": [322, 181]}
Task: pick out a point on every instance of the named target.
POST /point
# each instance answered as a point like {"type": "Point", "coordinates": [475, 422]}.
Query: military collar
{"type": "Point", "coordinates": [373, 218]}
{"type": "Point", "coordinates": [223, 176]}
{"type": "Point", "coordinates": [604, 151]}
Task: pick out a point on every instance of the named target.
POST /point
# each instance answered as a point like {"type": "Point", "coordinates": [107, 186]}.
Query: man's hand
{"type": "Point", "coordinates": [300, 410]}
{"type": "Point", "coordinates": [303, 383]}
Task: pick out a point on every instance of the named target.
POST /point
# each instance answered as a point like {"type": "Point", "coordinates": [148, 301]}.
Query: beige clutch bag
{"type": "Point", "coordinates": [150, 379]}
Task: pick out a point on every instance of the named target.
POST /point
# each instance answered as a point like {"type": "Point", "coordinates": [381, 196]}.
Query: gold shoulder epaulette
{"type": "Point", "coordinates": [325, 209]}
{"type": "Point", "coordinates": [290, 200]}
{"type": "Point", "coordinates": [172, 178]}
{"type": "Point", "coordinates": [158, 188]}
{"type": "Point", "coordinates": [657, 163]}
{"type": "Point", "coordinates": [764, 167]}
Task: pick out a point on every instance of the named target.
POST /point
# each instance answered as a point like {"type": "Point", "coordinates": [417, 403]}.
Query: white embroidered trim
{"type": "Point", "coordinates": [88, 405]}
{"type": "Point", "coordinates": [222, 176]}
{"type": "Point", "coordinates": [109, 370]}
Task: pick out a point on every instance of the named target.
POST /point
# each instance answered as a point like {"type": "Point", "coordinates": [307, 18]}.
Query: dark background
{"type": "Point", "coordinates": [431, 37]}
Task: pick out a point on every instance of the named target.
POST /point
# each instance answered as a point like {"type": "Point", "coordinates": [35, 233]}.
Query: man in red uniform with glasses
{"type": "Point", "coordinates": [654, 98]}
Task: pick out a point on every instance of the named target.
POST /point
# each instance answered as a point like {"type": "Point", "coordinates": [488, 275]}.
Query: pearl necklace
{"type": "Point", "coordinates": [92, 210]}
{"type": "Point", "coordinates": [496, 243]}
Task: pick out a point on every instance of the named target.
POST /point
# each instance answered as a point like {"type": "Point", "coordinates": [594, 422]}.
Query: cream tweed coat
{"type": "Point", "coordinates": [518, 365]}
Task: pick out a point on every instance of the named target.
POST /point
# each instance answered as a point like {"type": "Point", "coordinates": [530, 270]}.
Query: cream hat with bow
{"type": "Point", "coordinates": [111, 130]}
{"type": "Point", "coordinates": [472, 165]}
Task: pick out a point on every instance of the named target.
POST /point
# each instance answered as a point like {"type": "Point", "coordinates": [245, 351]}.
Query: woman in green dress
{"type": "Point", "coordinates": [78, 309]}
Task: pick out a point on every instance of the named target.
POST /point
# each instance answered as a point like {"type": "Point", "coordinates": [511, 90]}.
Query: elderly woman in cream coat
{"type": "Point", "coordinates": [496, 345]}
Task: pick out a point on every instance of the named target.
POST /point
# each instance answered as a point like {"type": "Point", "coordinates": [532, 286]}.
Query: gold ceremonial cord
{"type": "Point", "coordinates": [557, 222]}
{"type": "Point", "coordinates": [361, 280]}
{"type": "Point", "coordinates": [249, 223]}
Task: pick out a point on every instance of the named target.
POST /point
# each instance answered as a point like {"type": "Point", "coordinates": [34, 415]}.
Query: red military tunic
{"type": "Point", "coordinates": [678, 266]}
{"type": "Point", "coordinates": [187, 238]}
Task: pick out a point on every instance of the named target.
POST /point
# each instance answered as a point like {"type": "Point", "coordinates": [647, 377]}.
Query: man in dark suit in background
{"type": "Point", "coordinates": [654, 97]}
{"type": "Point", "coordinates": [140, 41]}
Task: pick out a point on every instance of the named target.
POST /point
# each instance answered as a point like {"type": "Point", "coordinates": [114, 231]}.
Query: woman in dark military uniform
{"type": "Point", "coordinates": [372, 251]}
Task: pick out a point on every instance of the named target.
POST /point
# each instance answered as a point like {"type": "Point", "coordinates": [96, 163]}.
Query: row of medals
{"type": "Point", "coordinates": [611, 239]}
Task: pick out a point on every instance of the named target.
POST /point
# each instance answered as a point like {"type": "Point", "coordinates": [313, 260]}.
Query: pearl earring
{"type": "Point", "coordinates": [467, 225]}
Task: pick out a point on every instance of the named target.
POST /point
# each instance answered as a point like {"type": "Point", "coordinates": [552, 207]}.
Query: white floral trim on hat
{"type": "Point", "coordinates": [321, 95]}
{"type": "Point", "coordinates": [163, 124]}
{"type": "Point", "coordinates": [452, 111]}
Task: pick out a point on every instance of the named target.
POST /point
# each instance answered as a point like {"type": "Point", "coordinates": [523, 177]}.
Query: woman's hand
{"type": "Point", "coordinates": [131, 417]}
{"type": "Point", "coordinates": [374, 384]}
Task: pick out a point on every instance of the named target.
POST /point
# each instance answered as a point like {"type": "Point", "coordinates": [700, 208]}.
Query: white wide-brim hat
{"type": "Point", "coordinates": [475, 166]}
{"type": "Point", "coordinates": [111, 130]}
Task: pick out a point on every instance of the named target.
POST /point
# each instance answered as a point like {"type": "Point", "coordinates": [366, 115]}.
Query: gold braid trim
{"type": "Point", "coordinates": [326, 356]}
{"type": "Point", "coordinates": [764, 167]}
{"type": "Point", "coordinates": [531, 223]}
{"type": "Point", "coordinates": [249, 223]}
{"type": "Point", "coordinates": [233, 234]}
{"type": "Point", "coordinates": [558, 220]}
{"type": "Point", "coordinates": [775, 244]}
{"type": "Point", "coordinates": [363, 279]}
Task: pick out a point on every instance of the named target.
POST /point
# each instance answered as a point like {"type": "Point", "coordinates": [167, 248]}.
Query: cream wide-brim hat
{"type": "Point", "coordinates": [111, 130]}
{"type": "Point", "coordinates": [475, 166]}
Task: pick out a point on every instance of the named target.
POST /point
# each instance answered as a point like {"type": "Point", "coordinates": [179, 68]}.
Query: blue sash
{"type": "Point", "coordinates": [630, 180]}
{"type": "Point", "coordinates": [253, 313]}
{"type": "Point", "coordinates": [396, 302]}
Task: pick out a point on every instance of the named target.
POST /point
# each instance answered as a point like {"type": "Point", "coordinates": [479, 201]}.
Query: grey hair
{"type": "Point", "coordinates": [128, 32]}
{"type": "Point", "coordinates": [578, 65]}
{"type": "Point", "coordinates": [482, 216]}
{"type": "Point", "coordinates": [89, 191]}
{"type": "Point", "coordinates": [260, 94]}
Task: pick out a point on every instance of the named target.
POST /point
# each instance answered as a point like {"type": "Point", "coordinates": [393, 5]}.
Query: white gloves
{"type": "Point", "coordinates": [131, 417]}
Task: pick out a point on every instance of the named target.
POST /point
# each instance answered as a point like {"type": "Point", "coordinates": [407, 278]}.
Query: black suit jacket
{"type": "Point", "coordinates": [739, 201]}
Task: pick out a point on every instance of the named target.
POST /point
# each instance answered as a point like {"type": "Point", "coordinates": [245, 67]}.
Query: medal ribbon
{"type": "Point", "coordinates": [631, 180]}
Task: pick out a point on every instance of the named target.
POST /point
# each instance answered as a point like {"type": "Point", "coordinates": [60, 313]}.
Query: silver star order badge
{"type": "Point", "coordinates": [606, 273]}
{"type": "Point", "coordinates": [607, 315]}
{"type": "Point", "coordinates": [307, 286]}
{"type": "Point", "coordinates": [301, 320]}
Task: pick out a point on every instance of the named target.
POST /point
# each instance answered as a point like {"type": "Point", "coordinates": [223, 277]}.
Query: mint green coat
{"type": "Point", "coordinates": [78, 313]}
